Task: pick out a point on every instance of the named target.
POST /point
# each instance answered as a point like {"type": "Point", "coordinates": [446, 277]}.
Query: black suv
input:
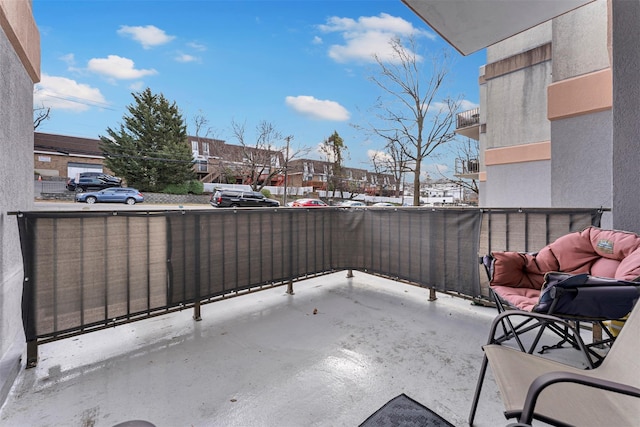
{"type": "Point", "coordinates": [93, 183]}
{"type": "Point", "coordinates": [241, 199]}
{"type": "Point", "coordinates": [100, 175]}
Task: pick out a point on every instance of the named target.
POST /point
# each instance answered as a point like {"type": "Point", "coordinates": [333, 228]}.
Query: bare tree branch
{"type": "Point", "coordinates": [40, 114]}
{"type": "Point", "coordinates": [417, 123]}
{"type": "Point", "coordinates": [266, 156]}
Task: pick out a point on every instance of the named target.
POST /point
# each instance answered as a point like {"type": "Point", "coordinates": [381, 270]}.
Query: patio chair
{"type": "Point", "coordinates": [554, 290]}
{"type": "Point", "coordinates": [588, 276]}
{"type": "Point", "coordinates": [536, 387]}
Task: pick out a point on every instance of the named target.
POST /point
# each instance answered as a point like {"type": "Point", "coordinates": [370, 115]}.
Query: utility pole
{"type": "Point", "coordinates": [286, 169]}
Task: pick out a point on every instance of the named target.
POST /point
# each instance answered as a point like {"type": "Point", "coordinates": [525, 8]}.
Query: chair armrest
{"type": "Point", "coordinates": [545, 380]}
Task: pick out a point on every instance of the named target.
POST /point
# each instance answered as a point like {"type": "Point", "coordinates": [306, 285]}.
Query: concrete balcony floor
{"type": "Point", "coordinates": [265, 359]}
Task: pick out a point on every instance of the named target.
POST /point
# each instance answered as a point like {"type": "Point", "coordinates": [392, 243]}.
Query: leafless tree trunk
{"type": "Point", "coordinates": [413, 117]}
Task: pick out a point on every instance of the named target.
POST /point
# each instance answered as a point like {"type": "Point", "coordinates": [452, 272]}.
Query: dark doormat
{"type": "Point", "coordinates": [404, 411]}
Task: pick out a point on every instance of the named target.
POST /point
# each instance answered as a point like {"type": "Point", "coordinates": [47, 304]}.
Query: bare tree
{"type": "Point", "coordinates": [201, 125]}
{"type": "Point", "coordinates": [467, 165]}
{"type": "Point", "coordinates": [266, 156]}
{"type": "Point", "coordinates": [40, 114]}
{"type": "Point", "coordinates": [394, 161]}
{"type": "Point", "coordinates": [415, 120]}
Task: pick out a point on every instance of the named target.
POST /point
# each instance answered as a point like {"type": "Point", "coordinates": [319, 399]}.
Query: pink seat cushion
{"type": "Point", "coordinates": [521, 298]}
{"type": "Point", "coordinates": [518, 277]}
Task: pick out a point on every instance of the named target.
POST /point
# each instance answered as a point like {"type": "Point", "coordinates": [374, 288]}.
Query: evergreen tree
{"type": "Point", "coordinates": [335, 151]}
{"type": "Point", "coordinates": [150, 150]}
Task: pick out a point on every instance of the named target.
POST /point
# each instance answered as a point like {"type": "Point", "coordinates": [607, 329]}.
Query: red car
{"type": "Point", "coordinates": [309, 203]}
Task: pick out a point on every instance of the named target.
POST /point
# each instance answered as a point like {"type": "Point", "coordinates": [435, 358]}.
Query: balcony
{"type": "Point", "coordinates": [194, 319]}
{"type": "Point", "coordinates": [467, 168]}
{"type": "Point", "coordinates": [468, 124]}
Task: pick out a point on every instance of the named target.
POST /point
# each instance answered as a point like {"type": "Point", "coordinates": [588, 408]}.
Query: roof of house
{"type": "Point", "coordinates": [64, 144]}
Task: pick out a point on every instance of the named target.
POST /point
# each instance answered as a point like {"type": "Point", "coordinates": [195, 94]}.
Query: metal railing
{"type": "Point", "coordinates": [468, 118]}
{"type": "Point", "coordinates": [465, 166]}
{"type": "Point", "coordinates": [86, 271]}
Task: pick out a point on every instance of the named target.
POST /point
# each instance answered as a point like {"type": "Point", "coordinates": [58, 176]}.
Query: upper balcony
{"type": "Point", "coordinates": [468, 124]}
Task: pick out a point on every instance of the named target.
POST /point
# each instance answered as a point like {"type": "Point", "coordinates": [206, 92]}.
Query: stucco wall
{"type": "Point", "coordinates": [581, 161]}
{"type": "Point", "coordinates": [518, 185]}
{"type": "Point", "coordinates": [517, 107]}
{"type": "Point", "coordinates": [16, 172]}
{"type": "Point", "coordinates": [582, 130]}
{"type": "Point", "coordinates": [626, 111]}
{"type": "Point", "coordinates": [580, 40]}
{"type": "Point", "coordinates": [526, 40]}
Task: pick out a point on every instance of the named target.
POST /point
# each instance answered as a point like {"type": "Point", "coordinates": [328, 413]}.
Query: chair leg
{"type": "Point", "coordinates": [476, 396]}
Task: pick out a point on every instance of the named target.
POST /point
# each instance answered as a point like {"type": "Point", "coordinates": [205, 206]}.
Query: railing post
{"type": "Point", "coordinates": [290, 287]}
{"type": "Point", "coordinates": [32, 354]}
{"type": "Point", "coordinates": [197, 278]}
{"type": "Point", "coordinates": [349, 274]}
{"type": "Point", "coordinates": [196, 311]}
{"type": "Point", "coordinates": [432, 294]}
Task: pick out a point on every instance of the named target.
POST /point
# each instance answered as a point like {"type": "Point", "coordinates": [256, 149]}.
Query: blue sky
{"type": "Point", "coordinates": [301, 65]}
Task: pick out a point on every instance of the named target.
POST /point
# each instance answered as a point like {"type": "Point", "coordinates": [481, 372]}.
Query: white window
{"type": "Point", "coordinates": [205, 149]}
{"type": "Point", "coordinates": [194, 148]}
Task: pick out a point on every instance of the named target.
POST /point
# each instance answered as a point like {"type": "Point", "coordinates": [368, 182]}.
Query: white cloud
{"type": "Point", "coordinates": [117, 67]}
{"type": "Point", "coordinates": [368, 36]}
{"type": "Point", "coordinates": [137, 86]}
{"type": "Point", "coordinates": [183, 57]}
{"type": "Point", "coordinates": [316, 40]}
{"type": "Point", "coordinates": [148, 36]}
{"type": "Point", "coordinates": [435, 169]}
{"type": "Point", "coordinates": [197, 46]}
{"type": "Point", "coordinates": [466, 105]}
{"type": "Point", "coordinates": [317, 108]}
{"type": "Point", "coordinates": [69, 59]}
{"type": "Point", "coordinates": [380, 158]}
{"type": "Point", "coordinates": [66, 94]}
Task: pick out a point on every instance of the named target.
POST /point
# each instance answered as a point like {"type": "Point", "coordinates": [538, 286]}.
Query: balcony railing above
{"type": "Point", "coordinates": [467, 168]}
{"type": "Point", "coordinates": [468, 118]}
{"type": "Point", "coordinates": [468, 124]}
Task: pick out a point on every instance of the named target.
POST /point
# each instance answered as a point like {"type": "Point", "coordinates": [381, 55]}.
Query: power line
{"type": "Point", "coordinates": [82, 101]}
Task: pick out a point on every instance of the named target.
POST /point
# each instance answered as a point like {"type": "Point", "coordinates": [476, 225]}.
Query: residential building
{"type": "Point", "coordinates": [319, 174]}
{"type": "Point", "coordinates": [557, 123]}
{"type": "Point", "coordinates": [66, 156]}
{"type": "Point", "coordinates": [217, 161]}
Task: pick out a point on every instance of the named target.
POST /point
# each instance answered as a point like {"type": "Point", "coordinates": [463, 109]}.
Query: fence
{"type": "Point", "coordinates": [86, 271]}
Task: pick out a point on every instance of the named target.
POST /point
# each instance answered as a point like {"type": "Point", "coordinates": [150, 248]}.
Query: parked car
{"type": "Point", "coordinates": [93, 183]}
{"type": "Point", "coordinates": [101, 175]}
{"type": "Point", "coordinates": [352, 204]}
{"type": "Point", "coordinates": [127, 195]}
{"type": "Point", "coordinates": [241, 199]}
{"type": "Point", "coordinates": [387, 204]}
{"type": "Point", "coordinates": [309, 203]}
